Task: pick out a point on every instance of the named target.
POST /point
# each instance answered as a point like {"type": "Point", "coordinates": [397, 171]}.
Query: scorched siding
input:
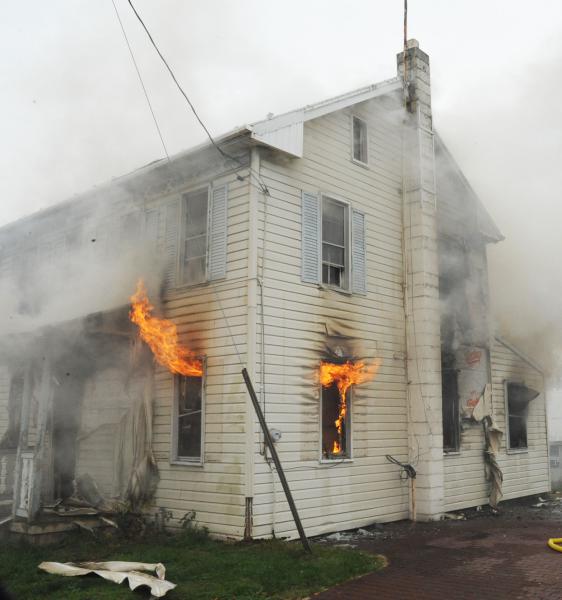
{"type": "Point", "coordinates": [524, 473]}
{"type": "Point", "coordinates": [332, 496]}
{"type": "Point", "coordinates": [206, 315]}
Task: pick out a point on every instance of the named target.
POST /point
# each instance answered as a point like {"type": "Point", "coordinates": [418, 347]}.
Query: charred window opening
{"type": "Point", "coordinates": [450, 403]}
{"type": "Point", "coordinates": [188, 418]}
{"type": "Point", "coordinates": [10, 438]}
{"type": "Point", "coordinates": [518, 398]}
{"type": "Point", "coordinates": [336, 422]}
{"type": "Point", "coordinates": [335, 246]}
{"type": "Point", "coordinates": [359, 140]}
{"type": "Point", "coordinates": [194, 251]}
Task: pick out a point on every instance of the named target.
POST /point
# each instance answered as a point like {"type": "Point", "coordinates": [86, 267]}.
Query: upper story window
{"type": "Point", "coordinates": [194, 249]}
{"type": "Point", "coordinates": [360, 146]}
{"type": "Point", "coordinates": [335, 243]}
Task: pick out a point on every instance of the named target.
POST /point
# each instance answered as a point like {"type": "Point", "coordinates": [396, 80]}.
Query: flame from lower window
{"type": "Point", "coordinates": [161, 335]}
{"type": "Point", "coordinates": [344, 376]}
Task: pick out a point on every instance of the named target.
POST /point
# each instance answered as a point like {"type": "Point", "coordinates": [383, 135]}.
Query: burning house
{"type": "Point", "coordinates": [338, 254]}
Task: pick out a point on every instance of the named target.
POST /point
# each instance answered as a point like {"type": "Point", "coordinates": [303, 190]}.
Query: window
{"type": "Point", "coordinates": [194, 251]}
{"type": "Point", "coordinates": [555, 451]}
{"type": "Point", "coordinates": [517, 404]}
{"type": "Point", "coordinates": [336, 440]}
{"type": "Point", "coordinates": [335, 245]}
{"type": "Point", "coordinates": [188, 419]}
{"type": "Point", "coordinates": [359, 140]}
{"type": "Point", "coordinates": [10, 439]}
{"type": "Point", "coordinates": [450, 403]}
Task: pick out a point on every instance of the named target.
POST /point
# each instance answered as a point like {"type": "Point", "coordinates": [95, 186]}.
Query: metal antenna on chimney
{"type": "Point", "coordinates": [405, 40]}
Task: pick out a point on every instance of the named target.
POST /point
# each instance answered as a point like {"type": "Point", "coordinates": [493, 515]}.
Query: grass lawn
{"type": "Point", "coordinates": [203, 569]}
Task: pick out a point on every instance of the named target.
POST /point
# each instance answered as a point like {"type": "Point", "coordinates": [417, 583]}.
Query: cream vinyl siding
{"type": "Point", "coordinates": [334, 496]}
{"type": "Point", "coordinates": [524, 472]}
{"type": "Point", "coordinates": [214, 489]}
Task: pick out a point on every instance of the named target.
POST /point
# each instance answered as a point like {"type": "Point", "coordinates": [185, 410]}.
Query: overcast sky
{"type": "Point", "coordinates": [73, 114]}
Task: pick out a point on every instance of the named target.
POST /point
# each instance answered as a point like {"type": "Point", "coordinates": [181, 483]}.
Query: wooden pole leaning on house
{"type": "Point", "coordinates": [274, 455]}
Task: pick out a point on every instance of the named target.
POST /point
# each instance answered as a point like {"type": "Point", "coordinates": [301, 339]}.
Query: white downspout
{"type": "Point", "coordinates": [251, 352]}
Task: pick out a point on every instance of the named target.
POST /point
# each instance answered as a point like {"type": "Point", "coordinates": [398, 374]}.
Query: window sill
{"type": "Point", "coordinates": [187, 463]}
{"type": "Point", "coordinates": [517, 451]}
{"type": "Point", "coordinates": [360, 163]}
{"type": "Point", "coordinates": [334, 461]}
{"type": "Point", "coordinates": [451, 452]}
{"type": "Point", "coordinates": [331, 288]}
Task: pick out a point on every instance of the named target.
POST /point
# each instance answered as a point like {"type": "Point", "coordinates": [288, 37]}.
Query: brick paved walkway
{"type": "Point", "coordinates": [481, 559]}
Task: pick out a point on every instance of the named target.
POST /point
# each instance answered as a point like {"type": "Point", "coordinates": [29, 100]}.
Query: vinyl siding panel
{"type": "Point", "coordinates": [524, 473]}
{"type": "Point", "coordinates": [297, 315]}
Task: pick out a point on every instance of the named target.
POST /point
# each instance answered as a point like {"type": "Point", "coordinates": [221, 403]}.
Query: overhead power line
{"type": "Point", "coordinates": [141, 81]}
{"type": "Point", "coordinates": [178, 85]}
{"type": "Point", "coordinates": [262, 186]}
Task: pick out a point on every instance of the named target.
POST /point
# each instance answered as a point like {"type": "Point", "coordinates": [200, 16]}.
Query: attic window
{"type": "Point", "coordinates": [359, 140]}
{"type": "Point", "coordinates": [517, 403]}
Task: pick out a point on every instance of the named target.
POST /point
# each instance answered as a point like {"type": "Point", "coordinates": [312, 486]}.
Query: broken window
{"type": "Point", "coordinates": [450, 403]}
{"type": "Point", "coordinates": [336, 421]}
{"type": "Point", "coordinates": [188, 419]}
{"type": "Point", "coordinates": [518, 398]}
{"type": "Point", "coordinates": [194, 251]}
{"type": "Point", "coordinates": [335, 246]}
{"type": "Point", "coordinates": [359, 140]}
{"type": "Point", "coordinates": [10, 438]}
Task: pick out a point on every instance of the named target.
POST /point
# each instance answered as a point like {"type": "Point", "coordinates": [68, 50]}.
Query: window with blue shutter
{"type": "Point", "coordinates": [217, 238]}
{"type": "Point", "coordinates": [358, 272]}
{"type": "Point", "coordinates": [310, 238]}
{"type": "Point", "coordinates": [333, 244]}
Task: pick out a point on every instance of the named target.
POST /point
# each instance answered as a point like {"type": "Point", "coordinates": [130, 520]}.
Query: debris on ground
{"type": "Point", "coordinates": [454, 517]}
{"type": "Point", "coordinates": [117, 571]}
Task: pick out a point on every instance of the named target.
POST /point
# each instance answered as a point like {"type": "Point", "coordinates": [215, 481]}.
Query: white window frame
{"type": "Point", "coordinates": [349, 426]}
{"type": "Point", "coordinates": [183, 237]}
{"type": "Point", "coordinates": [508, 448]}
{"type": "Point", "coordinates": [183, 460]}
{"type": "Point", "coordinates": [347, 246]}
{"type": "Point", "coordinates": [367, 149]}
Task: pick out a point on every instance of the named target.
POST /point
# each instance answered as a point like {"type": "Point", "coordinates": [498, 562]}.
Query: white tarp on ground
{"type": "Point", "coordinates": [117, 571]}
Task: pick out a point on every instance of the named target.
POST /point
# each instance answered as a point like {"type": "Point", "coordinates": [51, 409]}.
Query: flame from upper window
{"type": "Point", "coordinates": [344, 376]}
{"type": "Point", "coordinates": [161, 335]}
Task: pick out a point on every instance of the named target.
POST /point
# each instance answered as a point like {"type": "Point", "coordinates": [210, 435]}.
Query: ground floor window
{"type": "Point", "coordinates": [518, 397]}
{"type": "Point", "coordinates": [188, 419]}
{"type": "Point", "coordinates": [336, 423]}
{"type": "Point", "coordinates": [450, 403]}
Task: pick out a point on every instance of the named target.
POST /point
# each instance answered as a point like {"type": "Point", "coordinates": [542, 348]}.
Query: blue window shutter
{"type": "Point", "coordinates": [171, 243]}
{"type": "Point", "coordinates": [218, 233]}
{"type": "Point", "coordinates": [311, 241]}
{"type": "Point", "coordinates": [358, 263]}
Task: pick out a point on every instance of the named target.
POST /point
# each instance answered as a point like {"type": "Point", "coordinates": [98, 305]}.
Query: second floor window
{"type": "Point", "coordinates": [335, 246]}
{"type": "Point", "coordinates": [194, 251]}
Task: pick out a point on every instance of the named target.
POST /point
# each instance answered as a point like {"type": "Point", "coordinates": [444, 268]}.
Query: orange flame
{"type": "Point", "coordinates": [344, 376]}
{"type": "Point", "coordinates": [161, 335]}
